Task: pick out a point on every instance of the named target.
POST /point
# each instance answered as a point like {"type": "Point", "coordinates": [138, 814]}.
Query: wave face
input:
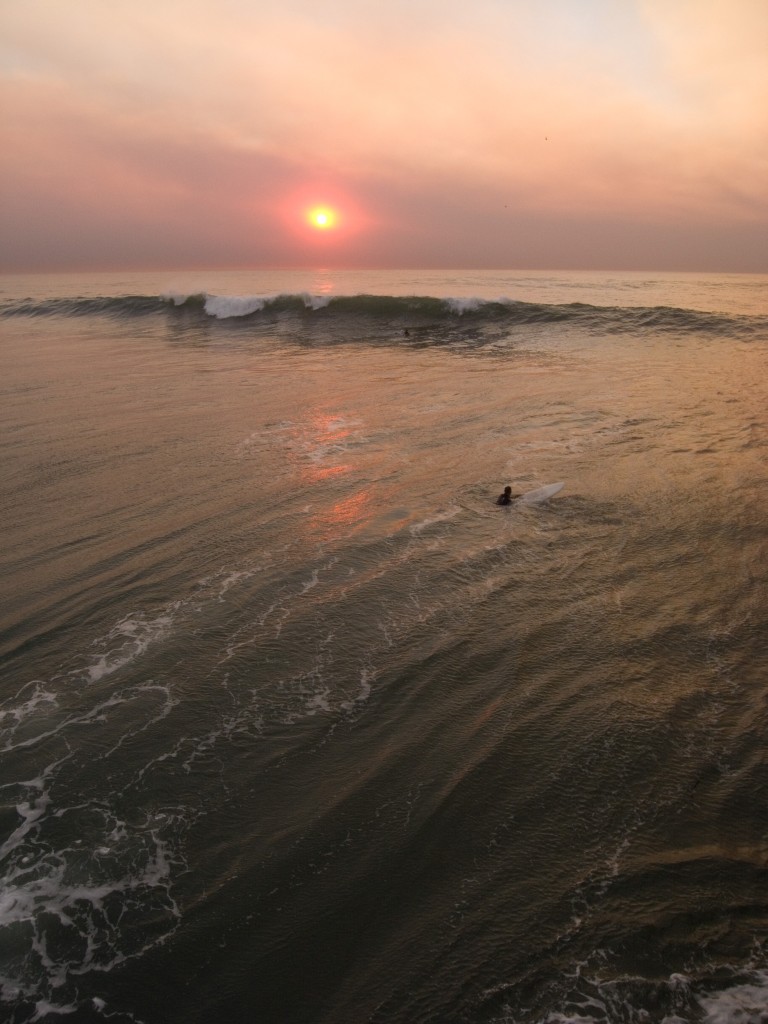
{"type": "Point", "coordinates": [405, 316]}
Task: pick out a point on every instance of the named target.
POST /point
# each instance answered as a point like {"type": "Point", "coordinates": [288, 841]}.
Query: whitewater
{"type": "Point", "coordinates": [297, 725]}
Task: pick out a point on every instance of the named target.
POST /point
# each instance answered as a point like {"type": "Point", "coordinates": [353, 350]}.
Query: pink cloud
{"type": "Point", "coordinates": [472, 131]}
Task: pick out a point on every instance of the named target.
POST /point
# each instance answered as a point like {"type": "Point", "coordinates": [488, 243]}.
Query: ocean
{"type": "Point", "coordinates": [298, 726]}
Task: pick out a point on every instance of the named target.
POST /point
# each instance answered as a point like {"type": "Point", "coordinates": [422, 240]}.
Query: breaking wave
{"type": "Point", "coordinates": [400, 312]}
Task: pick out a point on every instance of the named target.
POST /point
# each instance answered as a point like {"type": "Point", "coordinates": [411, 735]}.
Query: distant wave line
{"type": "Point", "coordinates": [403, 311]}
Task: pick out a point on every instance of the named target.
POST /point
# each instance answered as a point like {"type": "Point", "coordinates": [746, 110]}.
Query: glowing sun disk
{"type": "Point", "coordinates": [321, 217]}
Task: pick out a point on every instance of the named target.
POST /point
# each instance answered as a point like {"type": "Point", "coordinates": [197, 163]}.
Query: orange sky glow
{"type": "Point", "coordinates": [504, 133]}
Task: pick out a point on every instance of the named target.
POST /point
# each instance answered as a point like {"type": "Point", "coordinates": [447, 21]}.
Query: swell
{"type": "Point", "coordinates": [401, 312]}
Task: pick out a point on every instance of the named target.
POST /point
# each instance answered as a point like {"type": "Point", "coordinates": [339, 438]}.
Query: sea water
{"type": "Point", "coordinates": [298, 727]}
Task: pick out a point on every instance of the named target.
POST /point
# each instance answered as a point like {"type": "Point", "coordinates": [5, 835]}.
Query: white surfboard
{"type": "Point", "coordinates": [540, 494]}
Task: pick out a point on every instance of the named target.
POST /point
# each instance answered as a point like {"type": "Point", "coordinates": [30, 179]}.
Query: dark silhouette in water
{"type": "Point", "coordinates": [507, 497]}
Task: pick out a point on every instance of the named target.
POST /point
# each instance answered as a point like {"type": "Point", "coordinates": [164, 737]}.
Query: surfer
{"type": "Point", "coordinates": [507, 497]}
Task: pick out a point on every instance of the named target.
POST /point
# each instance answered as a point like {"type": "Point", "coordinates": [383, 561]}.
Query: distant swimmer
{"type": "Point", "coordinates": [507, 497]}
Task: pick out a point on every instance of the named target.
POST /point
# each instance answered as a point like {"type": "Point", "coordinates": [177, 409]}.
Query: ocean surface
{"type": "Point", "coordinates": [297, 726]}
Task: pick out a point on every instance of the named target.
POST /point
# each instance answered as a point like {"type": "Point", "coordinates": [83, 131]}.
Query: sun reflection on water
{"type": "Point", "coordinates": [321, 451]}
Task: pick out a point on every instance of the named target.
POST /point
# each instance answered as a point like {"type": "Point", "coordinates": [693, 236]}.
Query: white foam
{"type": "Point", "coordinates": [319, 702]}
{"type": "Point", "coordinates": [43, 1008]}
{"type": "Point", "coordinates": [315, 301]}
{"type": "Point", "coordinates": [95, 714]}
{"type": "Point", "coordinates": [167, 706]}
{"type": "Point", "coordinates": [30, 814]}
{"type": "Point", "coordinates": [311, 583]}
{"type": "Point", "coordinates": [468, 305]}
{"type": "Point", "coordinates": [742, 1004]}
{"type": "Point", "coordinates": [233, 578]}
{"type": "Point", "coordinates": [224, 306]}
{"type": "Point", "coordinates": [135, 632]}
{"type": "Point", "coordinates": [132, 866]}
{"type": "Point", "coordinates": [36, 707]}
{"type": "Point", "coordinates": [365, 691]}
{"type": "Point", "coordinates": [561, 1018]}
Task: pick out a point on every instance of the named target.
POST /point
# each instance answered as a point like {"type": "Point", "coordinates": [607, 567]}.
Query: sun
{"type": "Point", "coordinates": [322, 217]}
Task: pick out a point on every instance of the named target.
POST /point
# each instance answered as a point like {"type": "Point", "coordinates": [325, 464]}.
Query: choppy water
{"type": "Point", "coordinates": [296, 725]}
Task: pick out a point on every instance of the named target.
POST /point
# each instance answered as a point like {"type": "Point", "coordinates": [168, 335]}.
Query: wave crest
{"type": "Point", "coordinates": [400, 311]}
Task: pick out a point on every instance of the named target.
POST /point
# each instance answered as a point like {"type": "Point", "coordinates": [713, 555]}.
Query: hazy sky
{"type": "Point", "coordinates": [441, 133]}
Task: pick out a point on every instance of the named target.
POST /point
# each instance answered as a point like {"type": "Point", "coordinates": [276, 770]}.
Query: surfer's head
{"type": "Point", "coordinates": [507, 490]}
